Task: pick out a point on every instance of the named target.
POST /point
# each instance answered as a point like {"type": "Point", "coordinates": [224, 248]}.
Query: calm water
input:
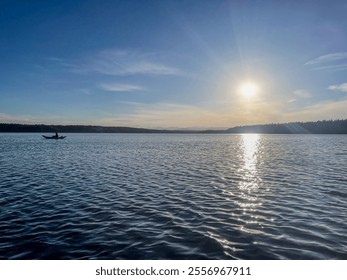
{"type": "Point", "coordinates": [157, 196]}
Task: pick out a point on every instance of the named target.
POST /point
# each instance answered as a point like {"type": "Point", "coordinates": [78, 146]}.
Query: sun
{"type": "Point", "coordinates": [249, 89]}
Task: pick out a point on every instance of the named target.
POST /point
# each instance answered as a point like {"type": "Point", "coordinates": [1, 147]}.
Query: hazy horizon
{"type": "Point", "coordinates": [299, 127]}
{"type": "Point", "coordinates": [173, 65]}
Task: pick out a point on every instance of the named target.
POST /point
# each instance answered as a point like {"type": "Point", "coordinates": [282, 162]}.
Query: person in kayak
{"type": "Point", "coordinates": [56, 135]}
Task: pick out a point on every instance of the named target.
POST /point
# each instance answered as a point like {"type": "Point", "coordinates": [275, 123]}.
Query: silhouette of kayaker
{"type": "Point", "coordinates": [56, 135]}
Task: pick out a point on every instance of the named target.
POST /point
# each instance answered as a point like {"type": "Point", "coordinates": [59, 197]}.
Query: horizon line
{"type": "Point", "coordinates": [174, 129]}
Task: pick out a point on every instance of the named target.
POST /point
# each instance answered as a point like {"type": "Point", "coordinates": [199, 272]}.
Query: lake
{"type": "Point", "coordinates": [173, 196]}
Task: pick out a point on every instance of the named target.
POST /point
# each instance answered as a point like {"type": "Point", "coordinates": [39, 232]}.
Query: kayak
{"type": "Point", "coordinates": [53, 137]}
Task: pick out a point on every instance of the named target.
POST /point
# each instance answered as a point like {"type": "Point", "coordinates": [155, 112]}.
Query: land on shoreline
{"type": "Point", "coordinates": [318, 127]}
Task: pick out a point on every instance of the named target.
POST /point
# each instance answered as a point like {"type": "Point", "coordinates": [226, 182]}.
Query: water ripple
{"type": "Point", "coordinates": [96, 196]}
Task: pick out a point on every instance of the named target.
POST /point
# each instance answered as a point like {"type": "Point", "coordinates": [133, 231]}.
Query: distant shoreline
{"type": "Point", "coordinates": [318, 127]}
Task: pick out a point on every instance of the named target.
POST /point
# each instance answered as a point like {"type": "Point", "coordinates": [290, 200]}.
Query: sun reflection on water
{"type": "Point", "coordinates": [250, 179]}
{"type": "Point", "coordinates": [249, 145]}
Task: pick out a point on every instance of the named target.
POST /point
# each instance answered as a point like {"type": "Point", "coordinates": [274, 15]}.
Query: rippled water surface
{"type": "Point", "coordinates": [163, 196]}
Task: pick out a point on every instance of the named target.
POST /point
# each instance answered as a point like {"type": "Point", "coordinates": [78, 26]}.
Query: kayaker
{"type": "Point", "coordinates": [56, 135]}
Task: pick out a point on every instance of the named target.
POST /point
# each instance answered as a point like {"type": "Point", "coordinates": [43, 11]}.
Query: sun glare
{"type": "Point", "coordinates": [249, 89]}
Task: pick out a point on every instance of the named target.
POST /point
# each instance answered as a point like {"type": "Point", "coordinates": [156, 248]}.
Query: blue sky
{"type": "Point", "coordinates": [172, 64]}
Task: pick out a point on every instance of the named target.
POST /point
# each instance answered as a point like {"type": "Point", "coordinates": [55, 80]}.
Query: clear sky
{"type": "Point", "coordinates": [172, 64]}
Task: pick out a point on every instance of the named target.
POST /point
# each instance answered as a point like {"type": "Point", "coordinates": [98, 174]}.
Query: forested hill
{"type": "Point", "coordinates": [42, 128]}
{"type": "Point", "coordinates": [319, 127]}
{"type": "Point", "coordinates": [69, 129]}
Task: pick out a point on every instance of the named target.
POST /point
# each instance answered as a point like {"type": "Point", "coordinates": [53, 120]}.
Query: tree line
{"type": "Point", "coordinates": [318, 127]}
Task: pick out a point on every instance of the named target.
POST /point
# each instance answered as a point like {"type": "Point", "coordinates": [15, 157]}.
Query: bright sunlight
{"type": "Point", "coordinates": [249, 89]}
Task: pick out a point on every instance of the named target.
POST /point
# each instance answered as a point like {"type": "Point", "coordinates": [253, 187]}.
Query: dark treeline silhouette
{"type": "Point", "coordinates": [42, 128]}
{"type": "Point", "coordinates": [319, 127]}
